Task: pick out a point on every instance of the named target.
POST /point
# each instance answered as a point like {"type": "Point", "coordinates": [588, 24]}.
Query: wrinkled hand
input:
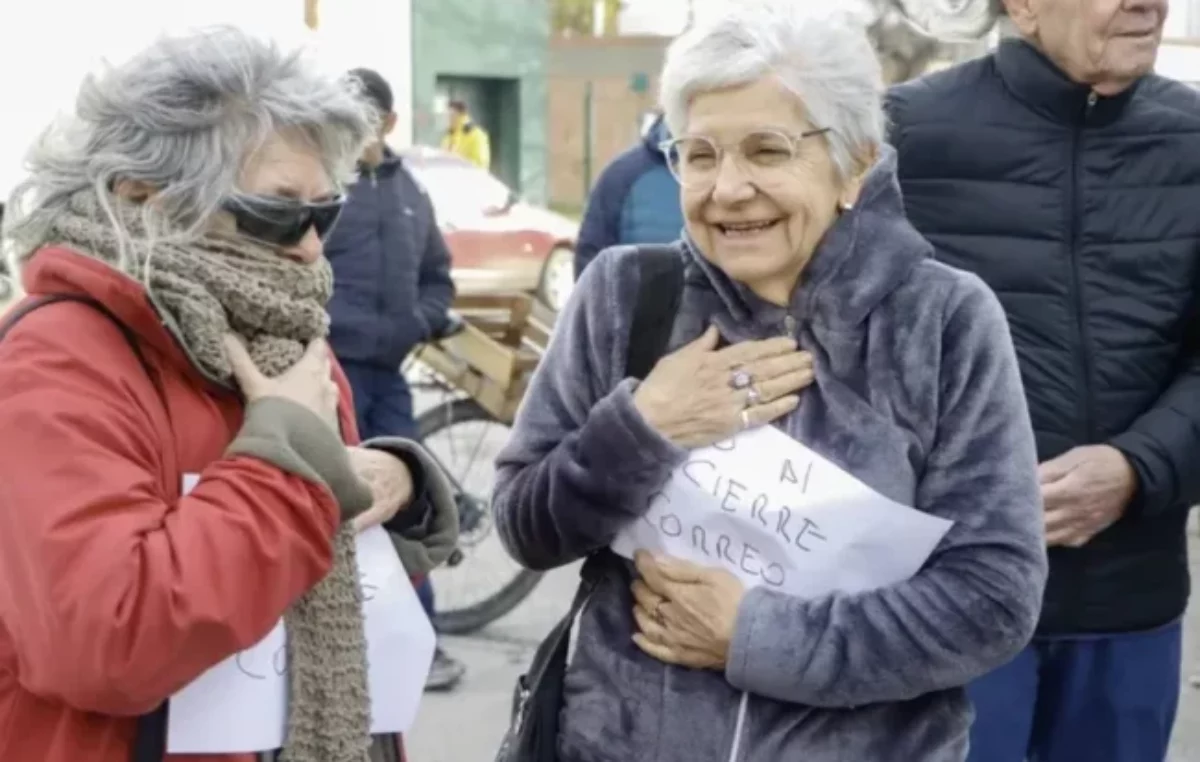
{"type": "Point", "coordinates": [1085, 490]}
{"type": "Point", "coordinates": [390, 483]}
{"type": "Point", "coordinates": [688, 398]}
{"type": "Point", "coordinates": [685, 613]}
{"type": "Point", "coordinates": [308, 383]}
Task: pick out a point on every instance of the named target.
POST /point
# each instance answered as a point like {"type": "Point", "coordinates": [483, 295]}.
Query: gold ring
{"type": "Point", "coordinates": [746, 418]}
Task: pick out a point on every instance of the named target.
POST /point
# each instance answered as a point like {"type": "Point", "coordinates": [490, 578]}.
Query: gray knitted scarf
{"type": "Point", "coordinates": [204, 290]}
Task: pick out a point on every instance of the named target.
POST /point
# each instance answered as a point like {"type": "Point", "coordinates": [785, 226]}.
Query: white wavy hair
{"type": "Point", "coordinates": [823, 56]}
{"type": "Point", "coordinates": [183, 116]}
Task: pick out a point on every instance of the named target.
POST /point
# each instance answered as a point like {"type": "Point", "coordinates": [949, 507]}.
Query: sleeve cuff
{"type": "Point", "coordinates": [426, 543]}
{"type": "Point", "coordinates": [620, 443]}
{"type": "Point", "coordinates": [427, 326]}
{"type": "Point", "coordinates": [295, 440]}
{"type": "Point", "coordinates": [740, 668]}
{"type": "Point", "coordinates": [1135, 449]}
{"type": "Point", "coordinates": [412, 521]}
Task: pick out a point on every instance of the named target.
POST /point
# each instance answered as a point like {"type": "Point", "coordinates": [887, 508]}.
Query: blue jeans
{"type": "Point", "coordinates": [383, 405]}
{"type": "Point", "coordinates": [1102, 698]}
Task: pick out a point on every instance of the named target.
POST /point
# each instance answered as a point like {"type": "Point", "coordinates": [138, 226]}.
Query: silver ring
{"type": "Point", "coordinates": [752, 396]}
{"type": "Point", "coordinates": [745, 418]}
{"type": "Point", "coordinates": [741, 379]}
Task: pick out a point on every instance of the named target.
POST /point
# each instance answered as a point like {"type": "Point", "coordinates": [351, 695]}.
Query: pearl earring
{"type": "Point", "coordinates": [844, 207]}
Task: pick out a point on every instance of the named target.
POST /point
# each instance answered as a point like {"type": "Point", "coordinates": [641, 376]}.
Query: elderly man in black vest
{"type": "Point", "coordinates": [1067, 175]}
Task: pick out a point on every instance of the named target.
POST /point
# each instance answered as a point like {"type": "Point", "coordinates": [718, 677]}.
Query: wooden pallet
{"type": "Point", "coordinates": [492, 358]}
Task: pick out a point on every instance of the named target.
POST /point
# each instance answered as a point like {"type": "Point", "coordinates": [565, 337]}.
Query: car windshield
{"type": "Point", "coordinates": [459, 191]}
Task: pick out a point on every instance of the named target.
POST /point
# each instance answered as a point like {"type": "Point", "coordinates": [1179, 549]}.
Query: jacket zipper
{"type": "Point", "coordinates": [1076, 285]}
{"type": "Point", "coordinates": [739, 728]}
{"type": "Point", "coordinates": [1073, 572]}
{"type": "Point", "coordinates": [381, 337]}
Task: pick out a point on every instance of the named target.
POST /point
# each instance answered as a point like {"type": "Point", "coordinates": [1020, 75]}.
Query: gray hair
{"type": "Point", "coordinates": [822, 56]}
{"type": "Point", "coordinates": [183, 116]}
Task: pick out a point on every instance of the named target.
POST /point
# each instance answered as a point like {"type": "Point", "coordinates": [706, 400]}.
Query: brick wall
{"type": "Point", "coordinates": [612, 66]}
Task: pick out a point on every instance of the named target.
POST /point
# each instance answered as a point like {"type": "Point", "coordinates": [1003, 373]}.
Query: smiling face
{"type": "Point", "coordinates": [1107, 44]}
{"type": "Point", "coordinates": [766, 203]}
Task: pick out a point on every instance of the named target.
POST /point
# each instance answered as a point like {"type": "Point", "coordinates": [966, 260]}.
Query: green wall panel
{"type": "Point", "coordinates": [491, 53]}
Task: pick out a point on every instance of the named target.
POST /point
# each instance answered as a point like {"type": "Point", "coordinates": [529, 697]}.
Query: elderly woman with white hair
{"type": "Point", "coordinates": [799, 274]}
{"type": "Point", "coordinates": [178, 469]}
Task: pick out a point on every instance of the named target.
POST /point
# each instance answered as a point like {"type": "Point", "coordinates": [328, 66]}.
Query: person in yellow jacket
{"type": "Point", "coordinates": [466, 138]}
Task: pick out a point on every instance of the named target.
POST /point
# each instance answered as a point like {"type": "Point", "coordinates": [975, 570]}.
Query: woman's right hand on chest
{"type": "Point", "coordinates": [308, 383]}
{"type": "Point", "coordinates": [697, 395]}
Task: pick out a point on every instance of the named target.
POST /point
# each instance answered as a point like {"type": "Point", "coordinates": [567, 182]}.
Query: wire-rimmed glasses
{"type": "Point", "coordinates": [764, 156]}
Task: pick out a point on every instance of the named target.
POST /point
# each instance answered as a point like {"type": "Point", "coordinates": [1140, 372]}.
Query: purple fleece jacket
{"type": "Point", "coordinates": [917, 394]}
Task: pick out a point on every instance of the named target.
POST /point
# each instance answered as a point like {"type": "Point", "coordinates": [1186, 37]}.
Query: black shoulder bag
{"type": "Point", "coordinates": [533, 733]}
{"type": "Point", "coordinates": [150, 743]}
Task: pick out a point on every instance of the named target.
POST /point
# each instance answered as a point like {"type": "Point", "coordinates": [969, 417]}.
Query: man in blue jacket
{"type": "Point", "coordinates": [392, 290]}
{"type": "Point", "coordinates": [1067, 175]}
{"type": "Point", "coordinates": [635, 200]}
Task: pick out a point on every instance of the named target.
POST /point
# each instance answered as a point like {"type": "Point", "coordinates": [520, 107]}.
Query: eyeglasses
{"type": "Point", "coordinates": [282, 221]}
{"type": "Point", "coordinates": [764, 156]}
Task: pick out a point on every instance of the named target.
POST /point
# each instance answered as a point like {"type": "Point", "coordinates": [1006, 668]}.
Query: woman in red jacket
{"type": "Point", "coordinates": [175, 473]}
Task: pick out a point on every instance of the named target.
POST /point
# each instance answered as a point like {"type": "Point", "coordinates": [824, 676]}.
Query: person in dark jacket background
{"type": "Point", "coordinates": [392, 290]}
{"type": "Point", "coordinates": [1067, 175]}
{"type": "Point", "coordinates": [635, 200]}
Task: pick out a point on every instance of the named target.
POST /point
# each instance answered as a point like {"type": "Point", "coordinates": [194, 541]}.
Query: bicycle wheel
{"type": "Point", "coordinates": [483, 583]}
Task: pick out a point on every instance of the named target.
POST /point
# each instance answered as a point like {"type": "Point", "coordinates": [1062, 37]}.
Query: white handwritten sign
{"type": "Point", "coordinates": [240, 705]}
{"type": "Point", "coordinates": [775, 513]}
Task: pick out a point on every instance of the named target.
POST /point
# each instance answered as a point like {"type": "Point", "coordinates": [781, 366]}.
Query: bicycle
{"type": "Point", "coordinates": [478, 366]}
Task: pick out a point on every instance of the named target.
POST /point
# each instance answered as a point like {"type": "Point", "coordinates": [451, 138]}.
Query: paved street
{"type": "Point", "coordinates": [466, 726]}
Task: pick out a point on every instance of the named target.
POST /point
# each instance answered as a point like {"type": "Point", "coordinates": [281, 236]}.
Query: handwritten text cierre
{"type": "Point", "coordinates": [734, 496]}
{"type": "Point", "coordinates": [776, 514]}
{"type": "Point", "coordinates": [740, 551]}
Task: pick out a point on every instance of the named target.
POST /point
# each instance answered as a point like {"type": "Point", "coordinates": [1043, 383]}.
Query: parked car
{"type": "Point", "coordinates": [498, 242]}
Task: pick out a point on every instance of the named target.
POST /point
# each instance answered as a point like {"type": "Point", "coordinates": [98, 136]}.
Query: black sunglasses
{"type": "Point", "coordinates": [282, 221]}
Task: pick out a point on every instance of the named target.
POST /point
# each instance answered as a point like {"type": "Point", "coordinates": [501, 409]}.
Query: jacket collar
{"type": "Point", "coordinates": [386, 166]}
{"type": "Point", "coordinates": [866, 254]}
{"type": "Point", "coordinates": [655, 135]}
{"type": "Point", "coordinates": [1036, 81]}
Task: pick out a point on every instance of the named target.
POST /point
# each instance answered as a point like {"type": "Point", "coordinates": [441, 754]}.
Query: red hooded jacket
{"type": "Point", "coordinates": [116, 590]}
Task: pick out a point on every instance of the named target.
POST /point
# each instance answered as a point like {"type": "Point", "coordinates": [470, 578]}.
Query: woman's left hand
{"type": "Point", "coordinates": [390, 483]}
{"type": "Point", "coordinates": [685, 613]}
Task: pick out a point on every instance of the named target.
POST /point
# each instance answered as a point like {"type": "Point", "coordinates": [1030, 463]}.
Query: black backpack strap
{"type": "Point", "coordinates": [150, 743]}
{"type": "Point", "coordinates": [660, 289]}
